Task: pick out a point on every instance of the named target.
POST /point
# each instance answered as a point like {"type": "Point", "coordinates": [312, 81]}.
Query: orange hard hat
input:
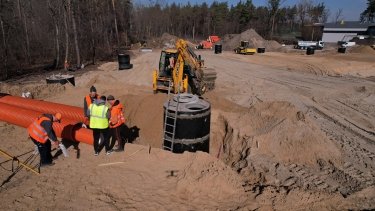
{"type": "Point", "coordinates": [58, 116]}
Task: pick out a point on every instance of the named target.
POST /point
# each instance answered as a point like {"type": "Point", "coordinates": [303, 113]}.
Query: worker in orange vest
{"type": "Point", "coordinates": [87, 101]}
{"type": "Point", "coordinates": [116, 122]}
{"type": "Point", "coordinates": [42, 133]}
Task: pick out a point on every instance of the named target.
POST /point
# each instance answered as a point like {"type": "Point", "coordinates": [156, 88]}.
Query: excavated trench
{"type": "Point", "coordinates": [274, 145]}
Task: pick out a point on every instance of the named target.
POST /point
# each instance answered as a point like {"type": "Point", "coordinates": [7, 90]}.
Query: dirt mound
{"type": "Point", "coordinates": [165, 41]}
{"type": "Point", "coordinates": [38, 91]}
{"type": "Point", "coordinates": [231, 41]}
{"type": "Point", "coordinates": [211, 177]}
{"type": "Point", "coordinates": [362, 49]}
{"type": "Point", "coordinates": [276, 130]}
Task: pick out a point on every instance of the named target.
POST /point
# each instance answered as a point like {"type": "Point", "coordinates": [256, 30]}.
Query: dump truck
{"type": "Point", "coordinates": [244, 48]}
{"type": "Point", "coordinates": [312, 44]}
{"type": "Point", "coordinates": [182, 71]}
{"type": "Point", "coordinates": [209, 43]}
{"type": "Point", "coordinates": [348, 44]}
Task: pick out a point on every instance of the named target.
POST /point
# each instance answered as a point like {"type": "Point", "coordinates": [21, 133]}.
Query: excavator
{"type": "Point", "coordinates": [182, 71]}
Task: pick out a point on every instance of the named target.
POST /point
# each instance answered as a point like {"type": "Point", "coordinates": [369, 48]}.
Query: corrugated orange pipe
{"type": "Point", "coordinates": [71, 112]}
{"type": "Point", "coordinates": [66, 129]}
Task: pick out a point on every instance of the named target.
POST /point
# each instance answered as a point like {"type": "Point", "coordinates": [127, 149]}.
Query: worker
{"type": "Point", "coordinates": [99, 115]}
{"type": "Point", "coordinates": [66, 65]}
{"type": "Point", "coordinates": [170, 66]}
{"type": "Point", "coordinates": [87, 101]}
{"type": "Point", "coordinates": [116, 122]}
{"type": "Point", "coordinates": [42, 133]}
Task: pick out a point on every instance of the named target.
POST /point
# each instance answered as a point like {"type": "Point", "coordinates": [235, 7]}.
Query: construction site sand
{"type": "Point", "coordinates": [260, 143]}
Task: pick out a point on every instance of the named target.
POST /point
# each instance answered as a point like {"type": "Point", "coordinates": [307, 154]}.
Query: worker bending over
{"type": "Point", "coordinates": [116, 122]}
{"type": "Point", "coordinates": [87, 101]}
{"type": "Point", "coordinates": [99, 115]}
{"type": "Point", "coordinates": [41, 133]}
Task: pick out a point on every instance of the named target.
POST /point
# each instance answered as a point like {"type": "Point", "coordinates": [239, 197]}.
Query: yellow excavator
{"type": "Point", "coordinates": [181, 71]}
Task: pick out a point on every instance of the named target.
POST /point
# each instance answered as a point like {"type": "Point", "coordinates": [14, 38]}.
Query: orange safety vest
{"type": "Point", "coordinates": [88, 99]}
{"type": "Point", "coordinates": [117, 117]}
{"type": "Point", "coordinates": [37, 132]}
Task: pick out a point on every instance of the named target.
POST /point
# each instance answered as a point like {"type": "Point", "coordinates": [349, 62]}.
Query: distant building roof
{"type": "Point", "coordinates": [348, 25]}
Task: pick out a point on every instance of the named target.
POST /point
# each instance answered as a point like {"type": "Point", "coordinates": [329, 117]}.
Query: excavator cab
{"type": "Point", "coordinates": [165, 75]}
{"type": "Point", "coordinates": [165, 66]}
{"type": "Point", "coordinates": [245, 44]}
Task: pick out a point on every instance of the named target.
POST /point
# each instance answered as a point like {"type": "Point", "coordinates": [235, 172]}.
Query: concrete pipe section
{"type": "Point", "coordinates": [70, 112]}
{"type": "Point", "coordinates": [67, 129]}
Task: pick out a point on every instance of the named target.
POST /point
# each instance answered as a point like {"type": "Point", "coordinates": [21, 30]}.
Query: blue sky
{"type": "Point", "coordinates": [351, 8]}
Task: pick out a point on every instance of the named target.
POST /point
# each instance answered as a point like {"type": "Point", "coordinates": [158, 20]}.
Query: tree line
{"type": "Point", "coordinates": [56, 33]}
{"type": "Point", "coordinates": [75, 32]}
{"type": "Point", "coordinates": [199, 21]}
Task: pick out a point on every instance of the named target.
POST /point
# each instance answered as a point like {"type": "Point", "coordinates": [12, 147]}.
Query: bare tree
{"type": "Point", "coordinates": [303, 8]}
{"type": "Point", "coordinates": [72, 14]}
{"type": "Point", "coordinates": [66, 20]}
{"type": "Point", "coordinates": [92, 14]}
{"type": "Point", "coordinates": [338, 15]}
{"type": "Point", "coordinates": [23, 20]}
{"type": "Point", "coordinates": [115, 24]}
{"type": "Point", "coordinates": [274, 7]}
{"type": "Point", "coordinates": [55, 13]}
{"type": "Point", "coordinates": [5, 74]}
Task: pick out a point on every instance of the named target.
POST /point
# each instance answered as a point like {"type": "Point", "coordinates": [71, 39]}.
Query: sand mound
{"type": "Point", "coordinates": [165, 41]}
{"type": "Point", "coordinates": [38, 91]}
{"type": "Point", "coordinates": [231, 41]}
{"type": "Point", "coordinates": [362, 49]}
{"type": "Point", "coordinates": [276, 131]}
{"type": "Point", "coordinates": [205, 175]}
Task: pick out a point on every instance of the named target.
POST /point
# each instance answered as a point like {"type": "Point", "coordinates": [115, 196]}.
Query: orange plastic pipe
{"type": "Point", "coordinates": [67, 111]}
{"type": "Point", "coordinates": [67, 129]}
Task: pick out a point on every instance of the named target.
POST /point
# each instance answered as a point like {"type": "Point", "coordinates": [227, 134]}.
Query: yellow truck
{"type": "Point", "coordinates": [244, 48]}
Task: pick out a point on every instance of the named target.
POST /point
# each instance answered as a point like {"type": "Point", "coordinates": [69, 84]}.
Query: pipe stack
{"type": "Point", "coordinates": [22, 112]}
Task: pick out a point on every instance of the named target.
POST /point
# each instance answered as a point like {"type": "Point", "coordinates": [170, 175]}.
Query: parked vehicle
{"type": "Point", "coordinates": [245, 48]}
{"type": "Point", "coordinates": [209, 43]}
{"type": "Point", "coordinates": [348, 44]}
{"type": "Point", "coordinates": [305, 44]}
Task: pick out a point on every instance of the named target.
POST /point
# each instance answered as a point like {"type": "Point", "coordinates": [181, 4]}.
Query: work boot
{"type": "Point", "coordinates": [119, 149]}
{"type": "Point", "coordinates": [42, 165]}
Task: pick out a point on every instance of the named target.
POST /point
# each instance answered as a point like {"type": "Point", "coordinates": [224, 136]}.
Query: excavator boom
{"type": "Point", "coordinates": [187, 72]}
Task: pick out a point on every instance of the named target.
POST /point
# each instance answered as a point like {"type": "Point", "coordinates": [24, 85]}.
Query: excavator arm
{"type": "Point", "coordinates": [200, 78]}
{"type": "Point", "coordinates": [188, 71]}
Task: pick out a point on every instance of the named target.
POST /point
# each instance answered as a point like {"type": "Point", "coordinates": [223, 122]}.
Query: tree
{"type": "Point", "coordinates": [273, 7]}
{"type": "Point", "coordinates": [369, 13]}
{"type": "Point", "coordinates": [303, 8]}
{"type": "Point", "coordinates": [66, 21]}
{"type": "Point", "coordinates": [115, 23]}
{"type": "Point", "coordinates": [75, 33]}
{"type": "Point", "coordinates": [338, 15]}
{"type": "Point", "coordinates": [55, 13]}
{"type": "Point", "coordinates": [318, 13]}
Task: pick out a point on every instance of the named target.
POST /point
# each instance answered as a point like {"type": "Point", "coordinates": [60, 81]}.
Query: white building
{"type": "Point", "coordinates": [346, 30]}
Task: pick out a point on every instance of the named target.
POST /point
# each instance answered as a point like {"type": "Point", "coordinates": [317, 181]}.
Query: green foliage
{"type": "Point", "coordinates": [369, 13]}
